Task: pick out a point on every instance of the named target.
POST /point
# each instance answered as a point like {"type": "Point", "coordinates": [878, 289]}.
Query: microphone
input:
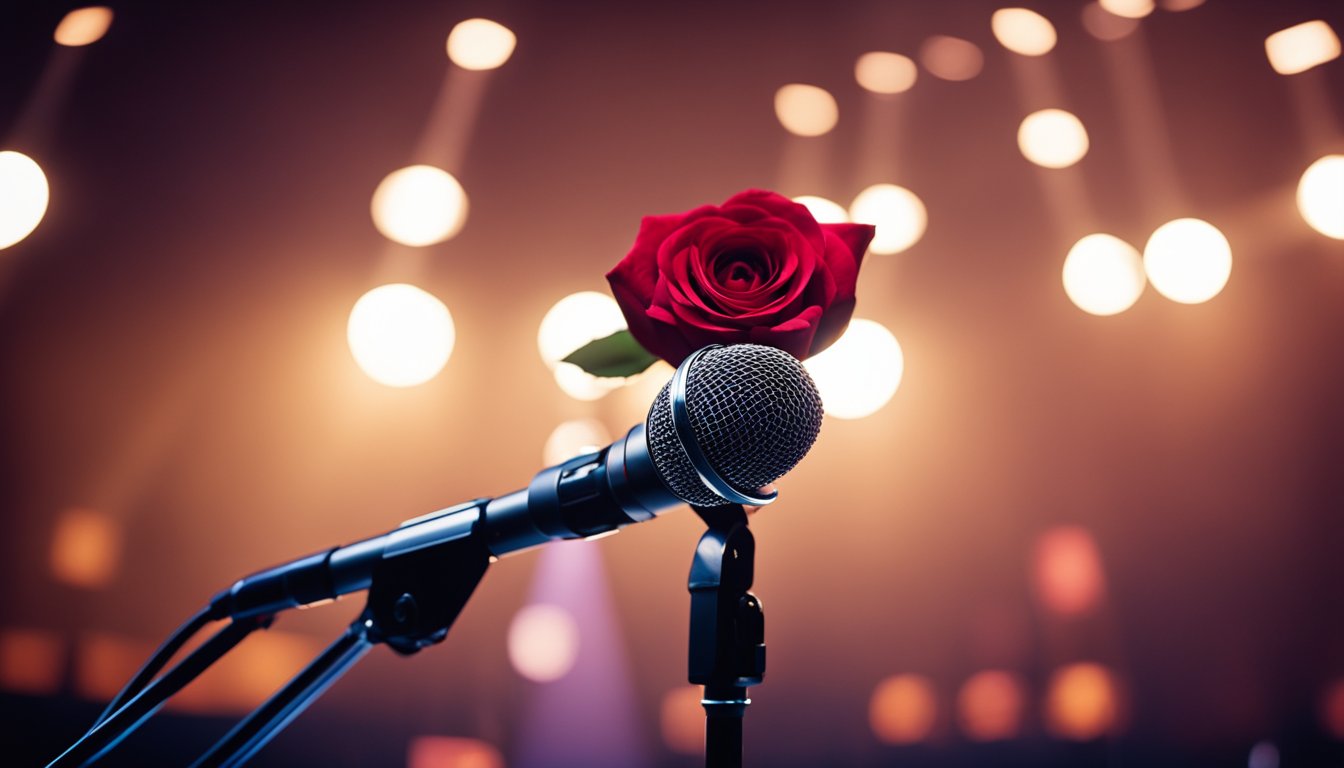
{"type": "Point", "coordinates": [731, 420]}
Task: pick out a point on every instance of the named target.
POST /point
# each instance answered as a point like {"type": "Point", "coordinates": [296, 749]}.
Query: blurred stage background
{"type": "Point", "coordinates": [1068, 538]}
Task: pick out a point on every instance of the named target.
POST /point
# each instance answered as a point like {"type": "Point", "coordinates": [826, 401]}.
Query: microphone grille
{"type": "Point", "coordinates": [754, 411]}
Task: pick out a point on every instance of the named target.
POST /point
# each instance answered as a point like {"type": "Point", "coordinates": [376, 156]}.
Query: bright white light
{"type": "Point", "coordinates": [1129, 9]}
{"type": "Point", "coordinates": [898, 214]}
{"type": "Point", "coordinates": [543, 642]}
{"type": "Point", "coordinates": [419, 205]}
{"type": "Point", "coordinates": [400, 335]}
{"type": "Point", "coordinates": [860, 372]}
{"type": "Point", "coordinates": [1103, 275]}
{"type": "Point", "coordinates": [1188, 260]}
{"type": "Point", "coordinates": [885, 72]}
{"type": "Point", "coordinates": [1301, 47]}
{"type": "Point", "coordinates": [806, 110]}
{"type": "Point", "coordinates": [83, 26]}
{"type": "Point", "coordinates": [823, 210]}
{"type": "Point", "coordinates": [1023, 31]}
{"type": "Point", "coordinates": [1052, 138]}
{"type": "Point", "coordinates": [574, 438]}
{"type": "Point", "coordinates": [1320, 196]}
{"type": "Point", "coordinates": [576, 320]}
{"type": "Point", "coordinates": [23, 197]}
{"type": "Point", "coordinates": [480, 44]}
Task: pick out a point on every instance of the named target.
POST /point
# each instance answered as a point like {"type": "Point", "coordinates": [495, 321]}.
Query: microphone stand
{"type": "Point", "coordinates": [727, 646]}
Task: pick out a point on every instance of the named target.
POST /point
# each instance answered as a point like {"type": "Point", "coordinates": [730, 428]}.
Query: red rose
{"type": "Point", "coordinates": [756, 269]}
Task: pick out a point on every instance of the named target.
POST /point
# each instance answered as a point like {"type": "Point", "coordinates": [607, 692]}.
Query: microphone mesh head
{"type": "Point", "coordinates": [754, 411]}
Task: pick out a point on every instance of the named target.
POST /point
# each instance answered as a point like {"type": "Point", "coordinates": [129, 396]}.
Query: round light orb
{"type": "Point", "coordinates": [574, 438]}
{"type": "Point", "coordinates": [903, 709]}
{"type": "Point", "coordinates": [683, 720]}
{"type": "Point", "coordinates": [400, 335]}
{"type": "Point", "coordinates": [574, 321]}
{"type": "Point", "coordinates": [83, 26]}
{"type": "Point", "coordinates": [1188, 260]}
{"type": "Point", "coordinates": [581, 385]}
{"type": "Point", "coordinates": [1301, 47]}
{"type": "Point", "coordinates": [1023, 31]}
{"type": "Point", "coordinates": [1106, 26]}
{"type": "Point", "coordinates": [990, 705]}
{"type": "Point", "coordinates": [23, 197]}
{"type": "Point", "coordinates": [823, 210]}
{"type": "Point", "coordinates": [1067, 572]}
{"type": "Point", "coordinates": [1103, 275]}
{"type": "Point", "coordinates": [898, 214]}
{"type": "Point", "coordinates": [1129, 9]}
{"type": "Point", "coordinates": [951, 58]}
{"type": "Point", "coordinates": [806, 110]}
{"type": "Point", "coordinates": [1052, 138]}
{"type": "Point", "coordinates": [419, 205]}
{"type": "Point", "coordinates": [885, 72]}
{"type": "Point", "coordinates": [1320, 196]}
{"type": "Point", "coordinates": [1082, 702]}
{"type": "Point", "coordinates": [860, 372]}
{"type": "Point", "coordinates": [543, 642]}
{"type": "Point", "coordinates": [1263, 755]}
{"type": "Point", "coordinates": [480, 44]}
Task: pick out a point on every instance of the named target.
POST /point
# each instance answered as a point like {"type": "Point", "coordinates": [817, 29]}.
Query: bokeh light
{"type": "Point", "coordinates": [543, 642]}
{"type": "Point", "coordinates": [1301, 47]}
{"type": "Point", "coordinates": [903, 710]}
{"type": "Point", "coordinates": [1263, 755]}
{"type": "Point", "coordinates": [452, 752]}
{"type": "Point", "coordinates": [682, 720]}
{"type": "Point", "coordinates": [898, 214]}
{"type": "Point", "coordinates": [990, 705]}
{"type": "Point", "coordinates": [1129, 9]}
{"type": "Point", "coordinates": [806, 110]}
{"type": "Point", "coordinates": [1104, 25]}
{"type": "Point", "coordinates": [824, 210]}
{"type": "Point", "coordinates": [83, 26]}
{"type": "Point", "coordinates": [1052, 138]}
{"type": "Point", "coordinates": [1188, 260]}
{"type": "Point", "coordinates": [571, 323]}
{"type": "Point", "coordinates": [85, 548]}
{"type": "Point", "coordinates": [419, 205]}
{"type": "Point", "coordinates": [574, 438]}
{"type": "Point", "coordinates": [1067, 572]}
{"type": "Point", "coordinates": [248, 675]}
{"type": "Point", "coordinates": [23, 197]}
{"type": "Point", "coordinates": [860, 372]}
{"type": "Point", "coordinates": [1179, 5]}
{"type": "Point", "coordinates": [951, 58]}
{"type": "Point", "coordinates": [1082, 702]}
{"type": "Point", "coordinates": [885, 72]}
{"type": "Point", "coordinates": [1103, 275]}
{"type": "Point", "coordinates": [1332, 709]}
{"type": "Point", "coordinates": [480, 44]}
{"type": "Point", "coordinates": [1023, 31]}
{"type": "Point", "coordinates": [400, 335]}
{"type": "Point", "coordinates": [32, 661]}
{"type": "Point", "coordinates": [1320, 196]}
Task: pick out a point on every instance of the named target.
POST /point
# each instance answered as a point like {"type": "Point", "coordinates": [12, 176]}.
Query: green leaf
{"type": "Point", "coordinates": [615, 355]}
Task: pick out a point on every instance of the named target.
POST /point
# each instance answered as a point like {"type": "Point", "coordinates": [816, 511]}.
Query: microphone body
{"type": "Point", "coordinates": [731, 420]}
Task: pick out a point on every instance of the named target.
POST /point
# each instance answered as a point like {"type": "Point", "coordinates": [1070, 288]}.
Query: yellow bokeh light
{"type": "Point", "coordinates": [419, 205]}
{"type": "Point", "coordinates": [23, 197]}
{"type": "Point", "coordinates": [1129, 9]}
{"type": "Point", "coordinates": [574, 321]}
{"type": "Point", "coordinates": [1188, 260]}
{"type": "Point", "coordinates": [1320, 196]}
{"type": "Point", "coordinates": [543, 642]}
{"type": "Point", "coordinates": [990, 705]}
{"type": "Point", "coordinates": [683, 720]}
{"type": "Point", "coordinates": [1103, 275]}
{"type": "Point", "coordinates": [1023, 31]}
{"type": "Point", "coordinates": [1082, 702]}
{"type": "Point", "coordinates": [83, 26]}
{"type": "Point", "coordinates": [806, 110]}
{"type": "Point", "coordinates": [1301, 47]}
{"type": "Point", "coordinates": [1104, 25]}
{"type": "Point", "coordinates": [574, 438]}
{"type": "Point", "coordinates": [480, 44]}
{"type": "Point", "coordinates": [903, 710]}
{"type": "Point", "coordinates": [825, 211]}
{"type": "Point", "coordinates": [85, 548]}
{"type": "Point", "coordinates": [400, 335]}
{"type": "Point", "coordinates": [452, 752]}
{"type": "Point", "coordinates": [885, 72]}
{"type": "Point", "coordinates": [898, 214]}
{"type": "Point", "coordinates": [1052, 138]}
{"type": "Point", "coordinates": [860, 372]}
{"type": "Point", "coordinates": [1067, 571]}
{"type": "Point", "coordinates": [951, 58]}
